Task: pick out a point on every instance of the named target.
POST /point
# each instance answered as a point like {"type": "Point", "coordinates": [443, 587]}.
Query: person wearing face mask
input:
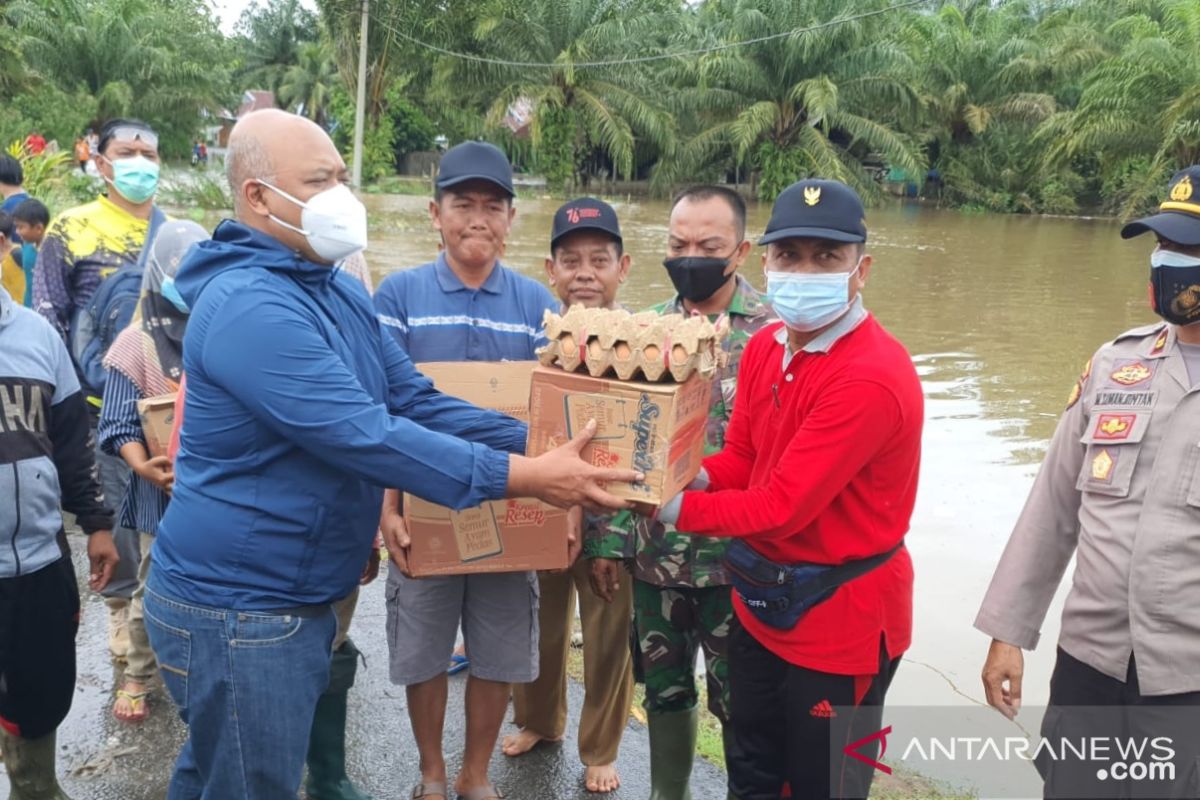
{"type": "Point", "coordinates": [680, 587]}
{"type": "Point", "coordinates": [146, 360]}
{"type": "Point", "coordinates": [814, 488]}
{"type": "Point", "coordinates": [88, 268]}
{"type": "Point", "coordinates": [299, 409]}
{"type": "Point", "coordinates": [1120, 490]}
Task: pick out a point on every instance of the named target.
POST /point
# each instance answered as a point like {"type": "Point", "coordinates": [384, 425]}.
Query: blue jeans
{"type": "Point", "coordinates": [246, 685]}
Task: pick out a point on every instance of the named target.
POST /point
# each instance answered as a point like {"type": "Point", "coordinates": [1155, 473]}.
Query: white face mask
{"type": "Point", "coordinates": [334, 221]}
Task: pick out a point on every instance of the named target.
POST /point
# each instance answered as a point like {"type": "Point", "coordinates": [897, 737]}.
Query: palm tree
{"type": "Point", "coordinates": [163, 61]}
{"type": "Point", "coordinates": [815, 102]}
{"type": "Point", "coordinates": [270, 38]}
{"type": "Point", "coordinates": [309, 84]}
{"type": "Point", "coordinates": [1138, 116]}
{"type": "Point", "coordinates": [574, 109]}
{"type": "Point", "coordinates": [987, 75]}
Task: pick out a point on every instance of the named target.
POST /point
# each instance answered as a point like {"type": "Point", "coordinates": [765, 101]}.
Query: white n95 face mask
{"type": "Point", "coordinates": [333, 222]}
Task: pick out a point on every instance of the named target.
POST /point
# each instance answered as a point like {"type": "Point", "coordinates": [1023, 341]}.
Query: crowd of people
{"type": "Point", "coordinates": [231, 566]}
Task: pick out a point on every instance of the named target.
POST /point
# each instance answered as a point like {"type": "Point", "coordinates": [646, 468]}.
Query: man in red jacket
{"type": "Point", "coordinates": [817, 481]}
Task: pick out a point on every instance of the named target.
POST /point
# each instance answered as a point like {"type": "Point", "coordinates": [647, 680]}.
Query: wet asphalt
{"type": "Point", "coordinates": [103, 759]}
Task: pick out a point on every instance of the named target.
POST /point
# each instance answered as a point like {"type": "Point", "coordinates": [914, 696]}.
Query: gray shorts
{"type": "Point", "coordinates": [499, 617]}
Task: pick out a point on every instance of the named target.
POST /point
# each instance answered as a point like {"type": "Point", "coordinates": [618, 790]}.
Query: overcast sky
{"type": "Point", "coordinates": [229, 11]}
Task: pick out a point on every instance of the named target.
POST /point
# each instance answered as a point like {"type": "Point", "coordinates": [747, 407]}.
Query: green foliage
{"type": "Point", "coordinates": [309, 84]}
{"type": "Point", "coordinates": [413, 130]}
{"type": "Point", "coordinates": [779, 167]}
{"type": "Point", "coordinates": [603, 111]}
{"type": "Point", "coordinates": [379, 155]}
{"type": "Point", "coordinates": [555, 155]}
{"type": "Point", "coordinates": [44, 172]}
{"type": "Point", "coordinates": [59, 116]}
{"type": "Point", "coordinates": [270, 36]}
{"type": "Point", "coordinates": [813, 103]}
{"type": "Point", "coordinates": [161, 60]}
{"type": "Point", "coordinates": [1022, 106]}
{"type": "Point", "coordinates": [199, 191]}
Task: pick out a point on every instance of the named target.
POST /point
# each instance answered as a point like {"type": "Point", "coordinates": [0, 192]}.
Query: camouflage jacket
{"type": "Point", "coordinates": [661, 555]}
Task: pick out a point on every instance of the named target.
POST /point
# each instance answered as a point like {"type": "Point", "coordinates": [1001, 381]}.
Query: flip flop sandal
{"type": "Point", "coordinates": [482, 793]}
{"type": "Point", "coordinates": [457, 664]}
{"type": "Point", "coordinates": [137, 706]}
{"type": "Point", "coordinates": [429, 790]}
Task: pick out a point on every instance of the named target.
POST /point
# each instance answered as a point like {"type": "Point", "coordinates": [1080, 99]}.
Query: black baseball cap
{"type": "Point", "coordinates": [475, 161]}
{"type": "Point", "coordinates": [817, 209]}
{"type": "Point", "coordinates": [584, 214]}
{"type": "Point", "coordinates": [1178, 217]}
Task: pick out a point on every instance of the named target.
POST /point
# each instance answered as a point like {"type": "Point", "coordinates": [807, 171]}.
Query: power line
{"type": "Point", "coordinates": [658, 57]}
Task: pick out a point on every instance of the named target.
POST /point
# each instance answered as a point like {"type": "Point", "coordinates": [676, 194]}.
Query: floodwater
{"type": "Point", "coordinates": [999, 312]}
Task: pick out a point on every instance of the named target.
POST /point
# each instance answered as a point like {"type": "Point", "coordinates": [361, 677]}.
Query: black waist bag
{"type": "Point", "coordinates": [779, 594]}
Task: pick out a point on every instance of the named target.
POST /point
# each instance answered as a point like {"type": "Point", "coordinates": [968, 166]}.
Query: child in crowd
{"type": "Point", "coordinates": [15, 275]}
{"type": "Point", "coordinates": [146, 360]}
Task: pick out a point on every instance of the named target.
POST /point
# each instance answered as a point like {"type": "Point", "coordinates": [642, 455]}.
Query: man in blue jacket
{"type": "Point", "coordinates": [298, 410]}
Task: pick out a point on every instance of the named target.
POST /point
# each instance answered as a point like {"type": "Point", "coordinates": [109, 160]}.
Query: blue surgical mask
{"type": "Point", "coordinates": [171, 292]}
{"type": "Point", "coordinates": [136, 178]}
{"type": "Point", "coordinates": [808, 302]}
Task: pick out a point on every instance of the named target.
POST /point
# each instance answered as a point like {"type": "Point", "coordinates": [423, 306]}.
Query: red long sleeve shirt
{"type": "Point", "coordinates": [820, 465]}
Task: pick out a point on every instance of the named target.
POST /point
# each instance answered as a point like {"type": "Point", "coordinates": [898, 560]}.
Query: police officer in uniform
{"type": "Point", "coordinates": [1119, 489]}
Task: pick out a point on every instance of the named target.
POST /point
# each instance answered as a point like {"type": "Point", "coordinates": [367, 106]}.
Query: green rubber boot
{"type": "Point", "coordinates": [672, 748]}
{"type": "Point", "coordinates": [327, 779]}
{"type": "Point", "coordinates": [30, 765]}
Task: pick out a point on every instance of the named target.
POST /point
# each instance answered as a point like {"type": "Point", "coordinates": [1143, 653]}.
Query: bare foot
{"type": "Point", "coordinates": [602, 779]}
{"type": "Point", "coordinates": [521, 742]}
{"type": "Point", "coordinates": [130, 705]}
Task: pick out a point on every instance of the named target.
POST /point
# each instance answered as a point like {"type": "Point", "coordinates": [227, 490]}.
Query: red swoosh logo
{"type": "Point", "coordinates": [852, 750]}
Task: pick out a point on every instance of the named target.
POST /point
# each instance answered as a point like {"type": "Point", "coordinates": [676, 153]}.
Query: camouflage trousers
{"type": "Point", "coordinates": [673, 622]}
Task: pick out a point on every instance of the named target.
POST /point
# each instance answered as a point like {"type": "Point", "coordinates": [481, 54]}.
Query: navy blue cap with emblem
{"type": "Point", "coordinates": [475, 161]}
{"type": "Point", "coordinates": [1178, 217]}
{"type": "Point", "coordinates": [584, 214]}
{"type": "Point", "coordinates": [817, 209]}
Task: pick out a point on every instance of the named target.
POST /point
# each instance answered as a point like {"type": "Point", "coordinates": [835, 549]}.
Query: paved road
{"type": "Point", "coordinates": [108, 760]}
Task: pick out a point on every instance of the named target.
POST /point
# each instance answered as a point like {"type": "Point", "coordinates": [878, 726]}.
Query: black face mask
{"type": "Point", "coordinates": [697, 278]}
{"type": "Point", "coordinates": [1177, 293]}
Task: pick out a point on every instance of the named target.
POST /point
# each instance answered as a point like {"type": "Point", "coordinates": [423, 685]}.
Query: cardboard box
{"type": "Point", "coordinates": [158, 417]}
{"type": "Point", "coordinates": [655, 428]}
{"type": "Point", "coordinates": [514, 535]}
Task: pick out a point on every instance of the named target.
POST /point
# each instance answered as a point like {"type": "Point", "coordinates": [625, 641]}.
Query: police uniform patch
{"type": "Point", "coordinates": [1119, 399]}
{"type": "Point", "coordinates": [1114, 427]}
{"type": "Point", "coordinates": [1102, 466]}
{"type": "Point", "coordinates": [1076, 391]}
{"type": "Point", "coordinates": [1131, 372]}
{"type": "Point", "coordinates": [1160, 344]}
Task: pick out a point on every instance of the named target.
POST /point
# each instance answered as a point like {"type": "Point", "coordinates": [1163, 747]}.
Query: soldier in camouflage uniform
{"type": "Point", "coordinates": [681, 593]}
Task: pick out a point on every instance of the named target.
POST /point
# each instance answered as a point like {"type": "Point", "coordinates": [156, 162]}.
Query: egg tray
{"type": "Point", "coordinates": [646, 346]}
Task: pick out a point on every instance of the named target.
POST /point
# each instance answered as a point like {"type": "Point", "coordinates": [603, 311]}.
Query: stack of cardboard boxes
{"type": "Point", "coordinates": [652, 427]}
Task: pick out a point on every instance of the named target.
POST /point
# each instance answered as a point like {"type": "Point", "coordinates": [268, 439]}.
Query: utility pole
{"type": "Point", "coordinates": [360, 101]}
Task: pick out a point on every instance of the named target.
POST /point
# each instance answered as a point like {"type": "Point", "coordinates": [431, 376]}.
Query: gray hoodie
{"type": "Point", "coordinates": [46, 457]}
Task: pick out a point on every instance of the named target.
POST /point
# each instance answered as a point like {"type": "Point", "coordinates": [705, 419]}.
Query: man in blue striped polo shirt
{"type": "Point", "coordinates": [465, 306]}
